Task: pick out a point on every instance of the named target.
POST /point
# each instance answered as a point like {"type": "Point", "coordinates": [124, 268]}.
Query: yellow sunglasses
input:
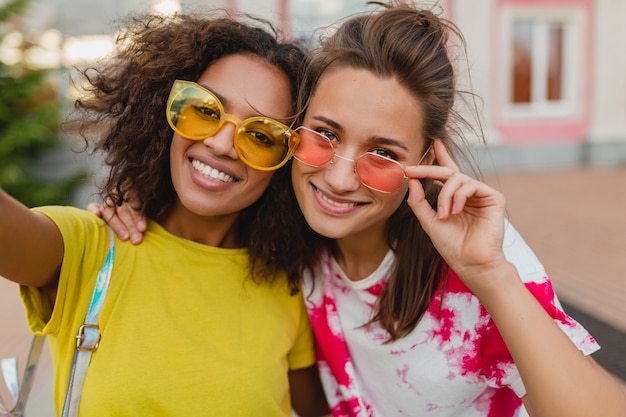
{"type": "Point", "coordinates": [196, 113]}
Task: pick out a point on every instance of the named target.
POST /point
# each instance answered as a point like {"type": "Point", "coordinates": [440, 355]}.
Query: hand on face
{"type": "Point", "coordinates": [468, 227]}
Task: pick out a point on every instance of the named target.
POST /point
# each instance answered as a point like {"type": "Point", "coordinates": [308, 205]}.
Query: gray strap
{"type": "Point", "coordinates": [88, 337]}
{"type": "Point", "coordinates": [19, 394]}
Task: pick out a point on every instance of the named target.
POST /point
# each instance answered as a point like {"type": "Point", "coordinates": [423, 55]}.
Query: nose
{"type": "Point", "coordinates": [340, 174]}
{"type": "Point", "coordinates": [223, 141]}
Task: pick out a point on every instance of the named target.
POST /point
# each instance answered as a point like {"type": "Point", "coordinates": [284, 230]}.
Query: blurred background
{"type": "Point", "coordinates": [550, 79]}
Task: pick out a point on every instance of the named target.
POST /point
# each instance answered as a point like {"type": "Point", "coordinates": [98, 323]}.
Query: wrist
{"type": "Point", "coordinates": [493, 281]}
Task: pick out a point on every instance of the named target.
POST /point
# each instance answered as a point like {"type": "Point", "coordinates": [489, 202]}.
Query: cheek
{"type": "Point", "coordinates": [299, 172]}
{"type": "Point", "coordinates": [394, 200]}
{"type": "Point", "coordinates": [178, 145]}
{"type": "Point", "coordinates": [259, 180]}
{"type": "Point", "coordinates": [176, 153]}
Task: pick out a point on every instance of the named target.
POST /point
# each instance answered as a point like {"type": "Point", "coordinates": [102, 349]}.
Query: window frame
{"type": "Point", "coordinates": [572, 19]}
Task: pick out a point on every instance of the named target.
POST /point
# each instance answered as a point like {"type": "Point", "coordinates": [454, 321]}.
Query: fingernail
{"type": "Point", "coordinates": [440, 212]}
{"type": "Point", "coordinates": [135, 238]}
{"type": "Point", "coordinates": [123, 234]}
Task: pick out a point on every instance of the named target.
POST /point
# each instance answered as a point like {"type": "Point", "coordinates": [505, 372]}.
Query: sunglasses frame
{"type": "Point", "coordinates": [180, 86]}
{"type": "Point", "coordinates": [334, 154]}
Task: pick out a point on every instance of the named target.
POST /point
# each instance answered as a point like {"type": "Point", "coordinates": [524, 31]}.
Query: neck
{"type": "Point", "coordinates": [217, 231]}
{"type": "Point", "coordinates": [359, 258]}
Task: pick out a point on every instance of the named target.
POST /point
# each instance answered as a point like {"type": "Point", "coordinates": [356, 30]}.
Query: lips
{"type": "Point", "coordinates": [334, 204]}
{"type": "Point", "coordinates": [211, 173]}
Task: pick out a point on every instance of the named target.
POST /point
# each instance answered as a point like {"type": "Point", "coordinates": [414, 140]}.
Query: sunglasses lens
{"type": "Point", "coordinates": [312, 148]}
{"type": "Point", "coordinates": [379, 173]}
{"type": "Point", "coordinates": [193, 112]}
{"type": "Point", "coordinates": [262, 143]}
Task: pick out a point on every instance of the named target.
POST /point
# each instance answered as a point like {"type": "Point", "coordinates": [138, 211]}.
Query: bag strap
{"type": "Point", "coordinates": [88, 337]}
{"type": "Point", "coordinates": [19, 394]}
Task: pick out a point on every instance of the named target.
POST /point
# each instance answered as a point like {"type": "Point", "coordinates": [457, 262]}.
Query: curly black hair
{"type": "Point", "coordinates": [122, 113]}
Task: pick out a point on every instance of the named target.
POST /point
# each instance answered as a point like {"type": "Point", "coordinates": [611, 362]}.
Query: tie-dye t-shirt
{"type": "Point", "coordinates": [454, 363]}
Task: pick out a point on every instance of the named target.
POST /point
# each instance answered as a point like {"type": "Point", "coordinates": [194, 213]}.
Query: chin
{"type": "Point", "coordinates": [327, 229]}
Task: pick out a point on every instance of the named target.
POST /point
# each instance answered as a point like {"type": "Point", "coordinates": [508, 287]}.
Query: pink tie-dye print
{"type": "Point", "coordinates": [332, 354]}
{"type": "Point", "coordinates": [455, 363]}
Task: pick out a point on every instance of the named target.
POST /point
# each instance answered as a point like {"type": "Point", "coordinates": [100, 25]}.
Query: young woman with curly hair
{"type": "Point", "coordinates": [196, 322]}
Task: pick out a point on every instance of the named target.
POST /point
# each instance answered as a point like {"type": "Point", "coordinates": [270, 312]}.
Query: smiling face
{"type": "Point", "coordinates": [359, 112]}
{"type": "Point", "coordinates": [209, 178]}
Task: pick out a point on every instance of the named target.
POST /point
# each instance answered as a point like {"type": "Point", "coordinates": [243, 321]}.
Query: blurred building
{"type": "Point", "coordinates": [550, 75]}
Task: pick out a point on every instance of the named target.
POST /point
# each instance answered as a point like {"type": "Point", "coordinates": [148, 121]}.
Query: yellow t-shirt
{"type": "Point", "coordinates": [185, 331]}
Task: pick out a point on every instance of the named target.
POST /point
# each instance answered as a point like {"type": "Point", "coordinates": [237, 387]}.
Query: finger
{"type": "Point", "coordinates": [133, 221]}
{"type": "Point", "coordinates": [448, 201]}
{"type": "Point", "coordinates": [132, 217]}
{"type": "Point", "coordinates": [432, 172]}
{"type": "Point", "coordinates": [420, 205]}
{"type": "Point", "coordinates": [442, 171]}
{"type": "Point", "coordinates": [94, 208]}
{"type": "Point", "coordinates": [110, 216]}
{"type": "Point", "coordinates": [442, 156]}
{"type": "Point", "coordinates": [440, 174]}
{"type": "Point", "coordinates": [132, 213]}
{"type": "Point", "coordinates": [467, 190]}
{"type": "Point", "coordinates": [474, 194]}
{"type": "Point", "coordinates": [139, 219]}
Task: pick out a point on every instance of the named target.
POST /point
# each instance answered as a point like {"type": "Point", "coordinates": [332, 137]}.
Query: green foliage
{"type": "Point", "coordinates": [11, 8]}
{"type": "Point", "coordinates": [29, 120]}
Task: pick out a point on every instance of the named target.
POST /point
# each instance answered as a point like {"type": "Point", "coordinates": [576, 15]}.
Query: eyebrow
{"type": "Point", "coordinates": [220, 97]}
{"type": "Point", "coordinates": [224, 102]}
{"type": "Point", "coordinates": [374, 139]}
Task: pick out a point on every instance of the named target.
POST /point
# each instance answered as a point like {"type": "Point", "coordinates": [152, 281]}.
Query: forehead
{"type": "Point", "coordinates": [250, 85]}
{"type": "Point", "coordinates": [359, 100]}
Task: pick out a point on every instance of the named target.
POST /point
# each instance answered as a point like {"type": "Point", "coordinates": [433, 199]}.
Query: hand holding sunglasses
{"type": "Point", "coordinates": [196, 113]}
{"type": "Point", "coordinates": [467, 226]}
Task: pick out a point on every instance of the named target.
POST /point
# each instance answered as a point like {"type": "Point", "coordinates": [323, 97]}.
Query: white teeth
{"type": "Point", "coordinates": [333, 202]}
{"type": "Point", "coordinates": [210, 172]}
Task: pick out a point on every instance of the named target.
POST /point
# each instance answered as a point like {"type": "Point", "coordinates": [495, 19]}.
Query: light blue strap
{"type": "Point", "coordinates": [88, 337]}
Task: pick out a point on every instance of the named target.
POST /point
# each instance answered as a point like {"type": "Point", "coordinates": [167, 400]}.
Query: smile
{"type": "Point", "coordinates": [211, 173]}
{"type": "Point", "coordinates": [335, 202]}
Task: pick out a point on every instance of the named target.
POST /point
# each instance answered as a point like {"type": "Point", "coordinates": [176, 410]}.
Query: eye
{"type": "Point", "coordinates": [263, 133]}
{"type": "Point", "coordinates": [261, 138]}
{"type": "Point", "coordinates": [328, 134]}
{"type": "Point", "coordinates": [385, 153]}
{"type": "Point", "coordinates": [207, 112]}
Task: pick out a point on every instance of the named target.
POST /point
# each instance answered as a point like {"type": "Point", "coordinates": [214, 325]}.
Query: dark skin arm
{"type": "Point", "coordinates": [307, 395]}
{"type": "Point", "coordinates": [32, 247]}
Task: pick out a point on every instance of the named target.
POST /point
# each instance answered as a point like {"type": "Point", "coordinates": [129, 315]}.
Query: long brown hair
{"type": "Point", "coordinates": [412, 46]}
